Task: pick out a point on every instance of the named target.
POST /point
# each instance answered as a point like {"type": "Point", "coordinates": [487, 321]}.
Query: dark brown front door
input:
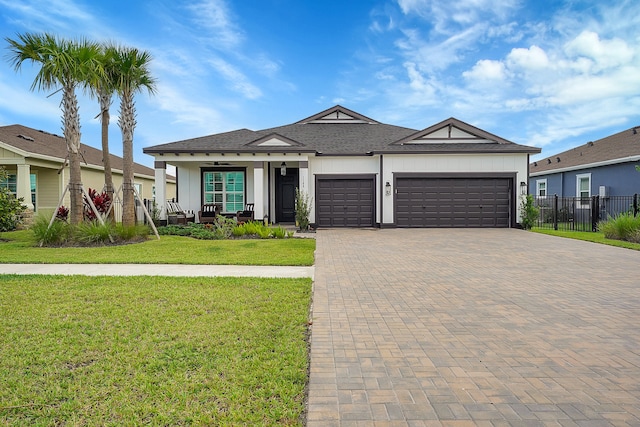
{"type": "Point", "coordinates": [286, 195]}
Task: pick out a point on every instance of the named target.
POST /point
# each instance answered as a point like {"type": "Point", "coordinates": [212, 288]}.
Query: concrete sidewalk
{"type": "Point", "coordinates": [159, 270]}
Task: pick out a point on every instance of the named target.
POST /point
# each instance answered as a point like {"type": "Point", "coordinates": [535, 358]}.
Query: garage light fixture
{"type": "Point", "coordinates": [387, 188]}
{"type": "Point", "coordinates": [523, 188]}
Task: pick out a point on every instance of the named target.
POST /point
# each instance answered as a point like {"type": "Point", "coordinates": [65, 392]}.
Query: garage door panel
{"type": "Point", "coordinates": [345, 202]}
{"type": "Point", "coordinates": [453, 202]}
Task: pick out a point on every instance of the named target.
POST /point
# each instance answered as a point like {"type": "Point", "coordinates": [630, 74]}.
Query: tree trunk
{"type": "Point", "coordinates": [72, 137]}
{"type": "Point", "coordinates": [127, 124]}
{"type": "Point", "coordinates": [105, 104]}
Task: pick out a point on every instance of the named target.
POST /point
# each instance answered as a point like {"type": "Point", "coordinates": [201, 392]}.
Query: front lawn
{"type": "Point", "coordinates": [589, 236]}
{"type": "Point", "coordinates": [153, 351]}
{"type": "Point", "coordinates": [20, 247]}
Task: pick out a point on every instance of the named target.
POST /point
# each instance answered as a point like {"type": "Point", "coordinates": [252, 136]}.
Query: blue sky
{"type": "Point", "coordinates": [552, 74]}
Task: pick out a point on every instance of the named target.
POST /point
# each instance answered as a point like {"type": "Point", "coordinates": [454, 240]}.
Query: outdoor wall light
{"type": "Point", "coordinates": [523, 188]}
{"type": "Point", "coordinates": [387, 188]}
{"type": "Point", "coordinates": [283, 169]}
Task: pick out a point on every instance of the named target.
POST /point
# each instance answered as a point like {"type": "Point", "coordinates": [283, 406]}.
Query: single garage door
{"type": "Point", "coordinates": [345, 202]}
{"type": "Point", "coordinates": [453, 202]}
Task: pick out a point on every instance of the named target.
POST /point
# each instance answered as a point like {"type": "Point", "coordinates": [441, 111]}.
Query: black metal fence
{"type": "Point", "coordinates": [582, 213]}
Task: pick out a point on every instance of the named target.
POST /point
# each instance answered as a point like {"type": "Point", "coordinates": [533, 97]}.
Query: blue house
{"type": "Point", "coordinates": [605, 168]}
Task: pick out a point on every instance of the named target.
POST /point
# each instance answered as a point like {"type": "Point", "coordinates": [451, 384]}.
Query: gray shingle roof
{"type": "Point", "coordinates": [339, 131]}
{"type": "Point", "coordinates": [41, 143]}
{"type": "Point", "coordinates": [619, 146]}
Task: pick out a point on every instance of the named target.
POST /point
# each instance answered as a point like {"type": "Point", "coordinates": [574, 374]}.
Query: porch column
{"type": "Point", "coordinates": [23, 185]}
{"type": "Point", "coordinates": [161, 188]}
{"type": "Point", "coordinates": [304, 186]}
{"type": "Point", "coordinates": [303, 177]}
{"type": "Point", "coordinates": [258, 191]}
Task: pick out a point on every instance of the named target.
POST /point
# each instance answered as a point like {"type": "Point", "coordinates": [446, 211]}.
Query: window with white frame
{"type": "Point", "coordinates": [225, 188]}
{"type": "Point", "coordinates": [11, 183]}
{"type": "Point", "coordinates": [541, 188]}
{"type": "Point", "coordinates": [583, 188]}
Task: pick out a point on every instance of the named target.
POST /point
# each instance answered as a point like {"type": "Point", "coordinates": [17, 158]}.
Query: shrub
{"type": "Point", "coordinates": [101, 201]}
{"type": "Point", "coordinates": [224, 228]}
{"type": "Point", "coordinates": [131, 233]}
{"type": "Point", "coordinates": [623, 227]}
{"type": "Point", "coordinates": [529, 212]}
{"type": "Point", "coordinates": [57, 234]}
{"type": "Point", "coordinates": [62, 214]}
{"type": "Point", "coordinates": [11, 209]}
{"type": "Point", "coordinates": [93, 232]}
{"type": "Point", "coordinates": [279, 232]}
{"type": "Point", "coordinates": [240, 230]}
{"type": "Point", "coordinates": [303, 209]}
{"type": "Point", "coordinates": [264, 233]}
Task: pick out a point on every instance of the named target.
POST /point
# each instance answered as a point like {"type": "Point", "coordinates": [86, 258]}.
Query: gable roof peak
{"type": "Point", "coordinates": [274, 139]}
{"type": "Point", "coordinates": [338, 114]}
{"type": "Point", "coordinates": [452, 130]}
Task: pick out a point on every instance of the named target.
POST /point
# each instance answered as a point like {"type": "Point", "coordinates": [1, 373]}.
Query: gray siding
{"type": "Point", "coordinates": [621, 180]}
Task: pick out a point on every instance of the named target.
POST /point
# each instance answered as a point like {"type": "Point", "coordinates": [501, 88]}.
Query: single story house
{"type": "Point", "coordinates": [38, 168]}
{"type": "Point", "coordinates": [606, 167]}
{"type": "Point", "coordinates": [357, 171]}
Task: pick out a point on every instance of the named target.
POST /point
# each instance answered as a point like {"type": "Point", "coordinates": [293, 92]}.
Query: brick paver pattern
{"type": "Point", "coordinates": [473, 327]}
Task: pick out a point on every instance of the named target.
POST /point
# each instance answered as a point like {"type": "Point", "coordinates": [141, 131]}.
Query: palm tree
{"type": "Point", "coordinates": [132, 75]}
{"type": "Point", "coordinates": [63, 65]}
{"type": "Point", "coordinates": [102, 87]}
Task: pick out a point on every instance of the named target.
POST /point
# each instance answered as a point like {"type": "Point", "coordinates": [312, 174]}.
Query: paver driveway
{"type": "Point", "coordinates": [473, 327]}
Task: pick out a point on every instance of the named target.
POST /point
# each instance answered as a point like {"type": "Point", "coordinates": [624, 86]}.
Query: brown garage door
{"type": "Point", "coordinates": [345, 202]}
{"type": "Point", "coordinates": [453, 202]}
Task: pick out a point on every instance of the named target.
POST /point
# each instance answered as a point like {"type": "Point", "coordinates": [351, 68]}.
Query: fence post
{"type": "Point", "coordinates": [555, 212]}
{"type": "Point", "coordinates": [635, 204]}
{"type": "Point", "coordinates": [595, 211]}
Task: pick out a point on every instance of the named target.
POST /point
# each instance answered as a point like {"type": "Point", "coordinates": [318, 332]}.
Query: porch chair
{"type": "Point", "coordinates": [177, 215]}
{"type": "Point", "coordinates": [245, 215]}
{"type": "Point", "coordinates": [208, 213]}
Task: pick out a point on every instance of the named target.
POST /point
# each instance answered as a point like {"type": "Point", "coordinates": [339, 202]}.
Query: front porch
{"type": "Point", "coordinates": [268, 181]}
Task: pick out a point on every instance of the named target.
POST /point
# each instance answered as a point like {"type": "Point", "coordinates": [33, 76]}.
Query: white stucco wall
{"type": "Point", "coordinates": [451, 163]}
{"type": "Point", "coordinates": [189, 173]}
{"type": "Point", "coordinates": [345, 165]}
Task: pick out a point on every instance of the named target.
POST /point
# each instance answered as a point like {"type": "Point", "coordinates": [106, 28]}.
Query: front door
{"type": "Point", "coordinates": [286, 195]}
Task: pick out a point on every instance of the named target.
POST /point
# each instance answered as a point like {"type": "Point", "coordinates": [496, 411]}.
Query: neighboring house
{"type": "Point", "coordinates": [357, 171]}
{"type": "Point", "coordinates": [605, 167]}
{"type": "Point", "coordinates": [39, 171]}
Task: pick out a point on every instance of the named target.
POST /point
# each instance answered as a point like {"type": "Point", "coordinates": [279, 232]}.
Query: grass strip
{"type": "Point", "coordinates": [589, 236]}
{"type": "Point", "coordinates": [20, 247]}
{"type": "Point", "coordinates": [152, 350]}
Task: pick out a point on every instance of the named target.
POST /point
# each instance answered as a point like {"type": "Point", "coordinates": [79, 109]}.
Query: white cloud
{"type": "Point", "coordinates": [31, 104]}
{"type": "Point", "coordinates": [486, 70]}
{"type": "Point", "coordinates": [214, 17]}
{"type": "Point", "coordinates": [532, 59]}
{"type": "Point", "coordinates": [239, 82]}
{"type": "Point", "coordinates": [447, 16]}
{"type": "Point", "coordinates": [184, 111]}
{"type": "Point", "coordinates": [605, 54]}
{"type": "Point", "coordinates": [58, 16]}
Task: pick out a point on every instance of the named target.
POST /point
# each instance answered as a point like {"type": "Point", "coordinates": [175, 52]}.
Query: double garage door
{"type": "Point", "coordinates": [418, 201]}
{"type": "Point", "coordinates": [453, 202]}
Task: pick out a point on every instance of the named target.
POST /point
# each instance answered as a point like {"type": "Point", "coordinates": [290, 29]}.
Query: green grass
{"type": "Point", "coordinates": [110, 351]}
{"type": "Point", "coordinates": [21, 248]}
{"type": "Point", "coordinates": [595, 237]}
